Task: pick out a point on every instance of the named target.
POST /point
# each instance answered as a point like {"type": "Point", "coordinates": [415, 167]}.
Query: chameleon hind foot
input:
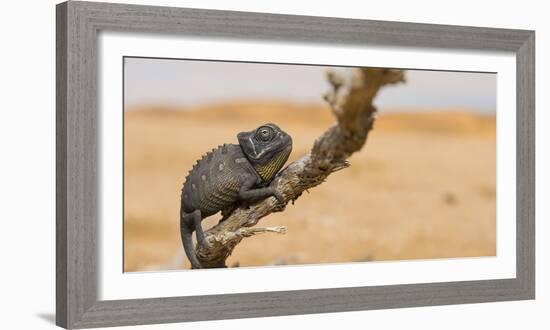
{"type": "Point", "coordinates": [201, 240]}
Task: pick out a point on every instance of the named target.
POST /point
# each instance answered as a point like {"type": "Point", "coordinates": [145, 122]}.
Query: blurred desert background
{"type": "Point", "coordinates": [424, 185]}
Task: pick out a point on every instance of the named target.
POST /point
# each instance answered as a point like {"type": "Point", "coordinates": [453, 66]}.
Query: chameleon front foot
{"type": "Point", "coordinates": [280, 198]}
{"type": "Point", "coordinates": [281, 204]}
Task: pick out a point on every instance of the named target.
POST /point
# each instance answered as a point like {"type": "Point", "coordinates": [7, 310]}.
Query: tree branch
{"type": "Point", "coordinates": [350, 99]}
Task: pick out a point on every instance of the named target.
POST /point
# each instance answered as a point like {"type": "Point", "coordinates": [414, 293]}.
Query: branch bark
{"type": "Point", "coordinates": [350, 99]}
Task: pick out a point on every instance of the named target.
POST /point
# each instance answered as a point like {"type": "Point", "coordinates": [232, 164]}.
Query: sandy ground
{"type": "Point", "coordinates": [423, 186]}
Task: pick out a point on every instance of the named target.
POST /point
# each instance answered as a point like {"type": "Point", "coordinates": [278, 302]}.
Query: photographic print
{"type": "Point", "coordinates": [238, 164]}
{"type": "Point", "coordinates": [318, 164]}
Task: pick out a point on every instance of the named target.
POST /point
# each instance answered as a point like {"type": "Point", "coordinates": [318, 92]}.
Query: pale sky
{"type": "Point", "coordinates": [185, 83]}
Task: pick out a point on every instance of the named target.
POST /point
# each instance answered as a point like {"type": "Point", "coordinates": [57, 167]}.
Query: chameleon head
{"type": "Point", "coordinates": [267, 147]}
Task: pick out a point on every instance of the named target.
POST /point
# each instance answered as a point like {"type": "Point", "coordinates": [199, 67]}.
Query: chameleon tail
{"type": "Point", "coordinates": [187, 240]}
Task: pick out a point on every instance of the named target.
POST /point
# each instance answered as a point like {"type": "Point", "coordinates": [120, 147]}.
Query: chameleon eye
{"type": "Point", "coordinates": [264, 133]}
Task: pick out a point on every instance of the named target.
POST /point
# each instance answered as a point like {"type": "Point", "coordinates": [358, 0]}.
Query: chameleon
{"type": "Point", "coordinates": [229, 174]}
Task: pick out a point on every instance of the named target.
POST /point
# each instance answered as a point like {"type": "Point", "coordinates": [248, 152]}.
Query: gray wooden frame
{"type": "Point", "coordinates": [78, 24]}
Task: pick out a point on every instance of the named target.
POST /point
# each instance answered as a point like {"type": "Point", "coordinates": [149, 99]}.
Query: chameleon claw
{"type": "Point", "coordinates": [281, 205]}
{"type": "Point", "coordinates": [279, 208]}
{"type": "Point", "coordinates": [206, 245]}
{"type": "Point", "coordinates": [278, 196]}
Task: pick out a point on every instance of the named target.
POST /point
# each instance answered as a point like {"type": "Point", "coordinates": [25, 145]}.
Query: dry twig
{"type": "Point", "coordinates": [351, 102]}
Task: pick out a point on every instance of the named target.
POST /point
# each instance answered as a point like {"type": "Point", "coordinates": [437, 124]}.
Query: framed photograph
{"type": "Point", "coordinates": [217, 165]}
